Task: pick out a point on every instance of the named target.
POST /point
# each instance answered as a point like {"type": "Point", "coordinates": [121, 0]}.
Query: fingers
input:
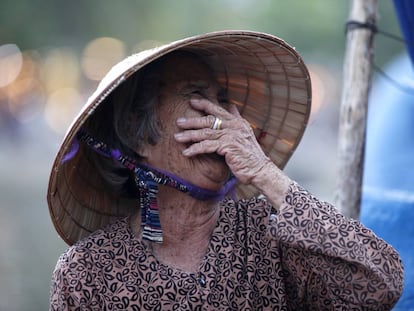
{"type": "Point", "coordinates": [216, 116]}
{"type": "Point", "coordinates": [191, 136]}
{"type": "Point", "coordinates": [197, 122]}
{"type": "Point", "coordinates": [202, 147]}
{"type": "Point", "coordinates": [212, 109]}
{"type": "Point", "coordinates": [202, 141]}
{"type": "Point", "coordinates": [234, 111]}
{"type": "Point", "coordinates": [212, 132]}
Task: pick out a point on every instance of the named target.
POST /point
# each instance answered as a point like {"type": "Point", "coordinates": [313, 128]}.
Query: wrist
{"type": "Point", "coordinates": [272, 182]}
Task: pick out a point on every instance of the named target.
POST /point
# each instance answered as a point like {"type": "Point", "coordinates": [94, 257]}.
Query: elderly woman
{"type": "Point", "coordinates": [169, 186]}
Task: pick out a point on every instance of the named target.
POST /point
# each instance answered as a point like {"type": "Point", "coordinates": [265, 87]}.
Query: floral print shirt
{"type": "Point", "coordinates": [306, 256]}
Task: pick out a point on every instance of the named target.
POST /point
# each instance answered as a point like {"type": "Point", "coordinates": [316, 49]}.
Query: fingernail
{"type": "Point", "coordinates": [195, 100]}
{"type": "Point", "coordinates": [178, 135]}
{"type": "Point", "coordinates": [181, 120]}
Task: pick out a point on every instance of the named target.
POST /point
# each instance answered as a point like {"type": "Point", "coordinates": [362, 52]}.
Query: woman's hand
{"type": "Point", "coordinates": [235, 140]}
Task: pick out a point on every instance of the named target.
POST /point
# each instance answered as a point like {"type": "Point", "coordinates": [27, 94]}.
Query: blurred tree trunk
{"type": "Point", "coordinates": [356, 84]}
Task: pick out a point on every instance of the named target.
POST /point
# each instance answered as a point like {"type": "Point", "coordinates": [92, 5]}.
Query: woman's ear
{"type": "Point", "coordinates": [144, 151]}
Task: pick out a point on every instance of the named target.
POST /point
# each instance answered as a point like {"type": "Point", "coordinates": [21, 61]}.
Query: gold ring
{"type": "Point", "coordinates": [217, 124]}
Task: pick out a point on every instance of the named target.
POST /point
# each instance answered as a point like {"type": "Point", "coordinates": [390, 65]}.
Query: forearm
{"type": "Point", "coordinates": [347, 260]}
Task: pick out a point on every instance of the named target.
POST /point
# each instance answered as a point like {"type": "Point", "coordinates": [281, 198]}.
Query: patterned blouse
{"type": "Point", "coordinates": [307, 256]}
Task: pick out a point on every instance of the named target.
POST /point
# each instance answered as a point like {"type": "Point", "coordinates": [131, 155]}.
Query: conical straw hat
{"type": "Point", "coordinates": [264, 76]}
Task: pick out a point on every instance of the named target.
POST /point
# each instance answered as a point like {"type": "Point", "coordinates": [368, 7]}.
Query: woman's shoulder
{"type": "Point", "coordinates": [103, 241]}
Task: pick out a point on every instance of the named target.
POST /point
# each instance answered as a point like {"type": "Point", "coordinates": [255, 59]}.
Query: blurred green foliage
{"type": "Point", "coordinates": [315, 27]}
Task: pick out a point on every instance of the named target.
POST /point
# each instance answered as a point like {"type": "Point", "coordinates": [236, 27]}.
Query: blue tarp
{"type": "Point", "coordinates": [387, 205]}
{"type": "Point", "coordinates": [388, 185]}
{"type": "Point", "coordinates": [405, 13]}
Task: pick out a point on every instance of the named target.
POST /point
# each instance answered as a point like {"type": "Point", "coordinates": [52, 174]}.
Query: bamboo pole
{"type": "Point", "coordinates": [356, 85]}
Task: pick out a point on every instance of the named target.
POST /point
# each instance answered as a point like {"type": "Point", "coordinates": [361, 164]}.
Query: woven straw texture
{"type": "Point", "coordinates": [265, 78]}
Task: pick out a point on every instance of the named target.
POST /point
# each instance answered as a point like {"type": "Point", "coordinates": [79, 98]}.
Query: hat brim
{"type": "Point", "coordinates": [265, 78]}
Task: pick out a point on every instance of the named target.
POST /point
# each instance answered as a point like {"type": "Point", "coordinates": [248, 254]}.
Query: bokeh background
{"type": "Point", "coordinates": [52, 55]}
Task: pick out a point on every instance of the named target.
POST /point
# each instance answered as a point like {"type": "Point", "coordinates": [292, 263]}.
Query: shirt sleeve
{"type": "Point", "coordinates": [72, 286]}
{"type": "Point", "coordinates": [331, 261]}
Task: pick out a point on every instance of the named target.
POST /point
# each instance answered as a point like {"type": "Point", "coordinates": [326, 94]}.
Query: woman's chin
{"type": "Point", "coordinates": [208, 171]}
{"type": "Point", "coordinates": [210, 185]}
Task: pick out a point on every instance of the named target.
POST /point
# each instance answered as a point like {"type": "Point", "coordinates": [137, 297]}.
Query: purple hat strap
{"type": "Point", "coordinates": [147, 179]}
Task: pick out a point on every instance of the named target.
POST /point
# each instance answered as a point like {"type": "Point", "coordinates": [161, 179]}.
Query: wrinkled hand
{"type": "Point", "coordinates": [235, 140]}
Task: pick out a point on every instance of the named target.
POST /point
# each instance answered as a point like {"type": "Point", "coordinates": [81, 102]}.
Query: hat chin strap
{"type": "Point", "coordinates": [147, 179]}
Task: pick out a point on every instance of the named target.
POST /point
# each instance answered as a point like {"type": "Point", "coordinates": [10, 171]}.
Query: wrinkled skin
{"type": "Point", "coordinates": [235, 140]}
{"type": "Point", "coordinates": [190, 100]}
{"type": "Point", "coordinates": [307, 257]}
